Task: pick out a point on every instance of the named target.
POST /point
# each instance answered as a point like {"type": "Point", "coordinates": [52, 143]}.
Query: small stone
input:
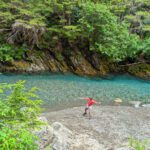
{"type": "Point", "coordinates": [125, 148]}
{"type": "Point", "coordinates": [146, 105]}
{"type": "Point", "coordinates": [117, 101]}
{"type": "Point", "coordinates": [136, 104]}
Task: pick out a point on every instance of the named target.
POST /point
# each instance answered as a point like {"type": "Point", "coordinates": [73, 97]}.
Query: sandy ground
{"type": "Point", "coordinates": [110, 125]}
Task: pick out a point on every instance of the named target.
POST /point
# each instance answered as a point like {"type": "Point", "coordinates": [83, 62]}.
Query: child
{"type": "Point", "coordinates": [89, 104]}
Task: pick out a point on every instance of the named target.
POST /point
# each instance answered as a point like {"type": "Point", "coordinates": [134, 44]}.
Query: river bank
{"type": "Point", "coordinates": [79, 63]}
{"type": "Point", "coordinates": [110, 126]}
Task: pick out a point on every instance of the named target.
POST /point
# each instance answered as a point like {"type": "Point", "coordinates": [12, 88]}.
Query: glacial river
{"type": "Point", "coordinates": [60, 91]}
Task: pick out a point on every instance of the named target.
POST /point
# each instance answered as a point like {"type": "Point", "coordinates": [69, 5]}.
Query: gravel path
{"type": "Point", "coordinates": [110, 125]}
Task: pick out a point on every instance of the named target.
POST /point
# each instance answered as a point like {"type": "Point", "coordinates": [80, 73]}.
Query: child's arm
{"type": "Point", "coordinates": [98, 103]}
{"type": "Point", "coordinates": [84, 98]}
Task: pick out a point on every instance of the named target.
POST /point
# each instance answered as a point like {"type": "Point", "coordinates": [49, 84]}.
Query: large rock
{"type": "Point", "coordinates": [111, 126]}
{"type": "Point", "coordinates": [14, 66]}
{"type": "Point", "coordinates": [37, 65]}
{"type": "Point", "coordinates": [65, 139]}
{"type": "Point", "coordinates": [81, 66]}
{"type": "Point", "coordinates": [140, 70]}
{"type": "Point", "coordinates": [102, 65]}
{"type": "Point", "coordinates": [62, 137]}
{"type": "Point", "coordinates": [45, 61]}
{"type": "Point", "coordinates": [45, 134]}
{"type": "Point", "coordinates": [59, 137]}
{"type": "Point", "coordinates": [125, 148]}
{"type": "Point", "coordinates": [84, 142]}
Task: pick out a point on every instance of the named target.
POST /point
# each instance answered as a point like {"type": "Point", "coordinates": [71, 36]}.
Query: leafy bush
{"type": "Point", "coordinates": [137, 144]}
{"type": "Point", "coordinates": [19, 109]}
{"type": "Point", "coordinates": [9, 52]}
{"type": "Point", "coordinates": [17, 139]}
{"type": "Point", "coordinates": [6, 53]}
{"type": "Point", "coordinates": [144, 46]}
{"type": "Point", "coordinates": [104, 33]}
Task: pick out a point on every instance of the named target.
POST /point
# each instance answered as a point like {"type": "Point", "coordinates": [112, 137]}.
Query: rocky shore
{"type": "Point", "coordinates": [81, 63]}
{"type": "Point", "coordinates": [109, 129]}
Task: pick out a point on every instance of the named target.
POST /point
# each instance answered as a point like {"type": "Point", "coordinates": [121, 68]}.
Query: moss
{"type": "Point", "coordinates": [107, 67]}
{"type": "Point", "coordinates": [59, 56]}
{"type": "Point", "coordinates": [140, 70]}
{"type": "Point", "coordinates": [34, 53]}
{"type": "Point", "coordinates": [23, 65]}
{"type": "Point", "coordinates": [15, 66]}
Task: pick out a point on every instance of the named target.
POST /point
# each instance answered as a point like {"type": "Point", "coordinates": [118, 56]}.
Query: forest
{"type": "Point", "coordinates": [116, 30]}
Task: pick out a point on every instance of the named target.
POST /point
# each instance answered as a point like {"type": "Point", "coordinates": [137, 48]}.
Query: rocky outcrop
{"type": "Point", "coordinates": [85, 142]}
{"type": "Point", "coordinates": [44, 61]}
{"type": "Point", "coordinates": [75, 62]}
{"type": "Point", "coordinates": [15, 66]}
{"type": "Point", "coordinates": [80, 65]}
{"type": "Point", "coordinates": [65, 139]}
{"type": "Point", "coordinates": [140, 70]}
{"type": "Point", "coordinates": [59, 137]}
{"type": "Point", "coordinates": [62, 137]}
{"type": "Point", "coordinates": [110, 128]}
{"type": "Point", "coordinates": [78, 62]}
{"type": "Point", "coordinates": [44, 133]}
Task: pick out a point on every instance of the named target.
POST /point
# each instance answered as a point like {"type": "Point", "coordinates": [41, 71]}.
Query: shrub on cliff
{"type": "Point", "coordinates": [105, 34]}
{"type": "Point", "coordinates": [9, 52]}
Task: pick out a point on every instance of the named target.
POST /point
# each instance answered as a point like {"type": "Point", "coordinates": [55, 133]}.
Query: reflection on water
{"type": "Point", "coordinates": [59, 90]}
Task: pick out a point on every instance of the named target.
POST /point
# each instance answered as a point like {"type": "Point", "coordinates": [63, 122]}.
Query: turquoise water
{"type": "Point", "coordinates": [61, 91]}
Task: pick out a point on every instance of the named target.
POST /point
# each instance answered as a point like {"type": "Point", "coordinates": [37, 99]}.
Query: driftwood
{"type": "Point", "coordinates": [135, 63]}
{"type": "Point", "coordinates": [22, 32]}
{"type": "Point", "coordinates": [4, 30]}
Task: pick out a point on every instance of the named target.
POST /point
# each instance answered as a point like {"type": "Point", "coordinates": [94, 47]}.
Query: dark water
{"type": "Point", "coordinates": [62, 91]}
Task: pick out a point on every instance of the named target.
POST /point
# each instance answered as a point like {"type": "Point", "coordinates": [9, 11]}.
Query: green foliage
{"type": "Point", "coordinates": [134, 12]}
{"type": "Point", "coordinates": [144, 46]}
{"type": "Point", "coordinates": [104, 26]}
{"type": "Point", "coordinates": [9, 53]}
{"type": "Point", "coordinates": [25, 11]}
{"type": "Point", "coordinates": [17, 139]}
{"type": "Point", "coordinates": [137, 144]}
{"type": "Point", "coordinates": [105, 35]}
{"type": "Point", "coordinates": [6, 53]}
{"type": "Point", "coordinates": [19, 109]}
{"type": "Point", "coordinates": [63, 19]}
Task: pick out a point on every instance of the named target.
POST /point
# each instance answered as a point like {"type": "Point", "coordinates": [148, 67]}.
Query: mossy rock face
{"type": "Point", "coordinates": [140, 70]}
{"type": "Point", "coordinates": [81, 66]}
{"type": "Point", "coordinates": [15, 66]}
{"type": "Point", "coordinates": [21, 65]}
{"type": "Point", "coordinates": [101, 64]}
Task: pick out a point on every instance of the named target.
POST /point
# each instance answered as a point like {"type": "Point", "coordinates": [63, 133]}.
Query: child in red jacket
{"type": "Point", "coordinates": [90, 102]}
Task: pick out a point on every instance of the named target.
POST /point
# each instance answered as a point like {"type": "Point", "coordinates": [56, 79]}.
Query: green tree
{"type": "Point", "coordinates": [104, 26]}
{"type": "Point", "coordinates": [19, 109]}
{"type": "Point", "coordinates": [135, 13]}
{"type": "Point", "coordinates": [104, 34]}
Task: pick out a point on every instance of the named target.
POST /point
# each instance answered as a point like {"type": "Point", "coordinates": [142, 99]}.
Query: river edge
{"type": "Point", "coordinates": [111, 126]}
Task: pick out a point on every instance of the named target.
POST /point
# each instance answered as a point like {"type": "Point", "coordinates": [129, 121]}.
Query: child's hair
{"type": "Point", "coordinates": [90, 98]}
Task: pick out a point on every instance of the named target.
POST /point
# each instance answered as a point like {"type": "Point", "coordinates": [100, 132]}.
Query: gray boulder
{"type": "Point", "coordinates": [84, 142]}
{"type": "Point", "coordinates": [45, 134]}
{"type": "Point", "coordinates": [62, 137]}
